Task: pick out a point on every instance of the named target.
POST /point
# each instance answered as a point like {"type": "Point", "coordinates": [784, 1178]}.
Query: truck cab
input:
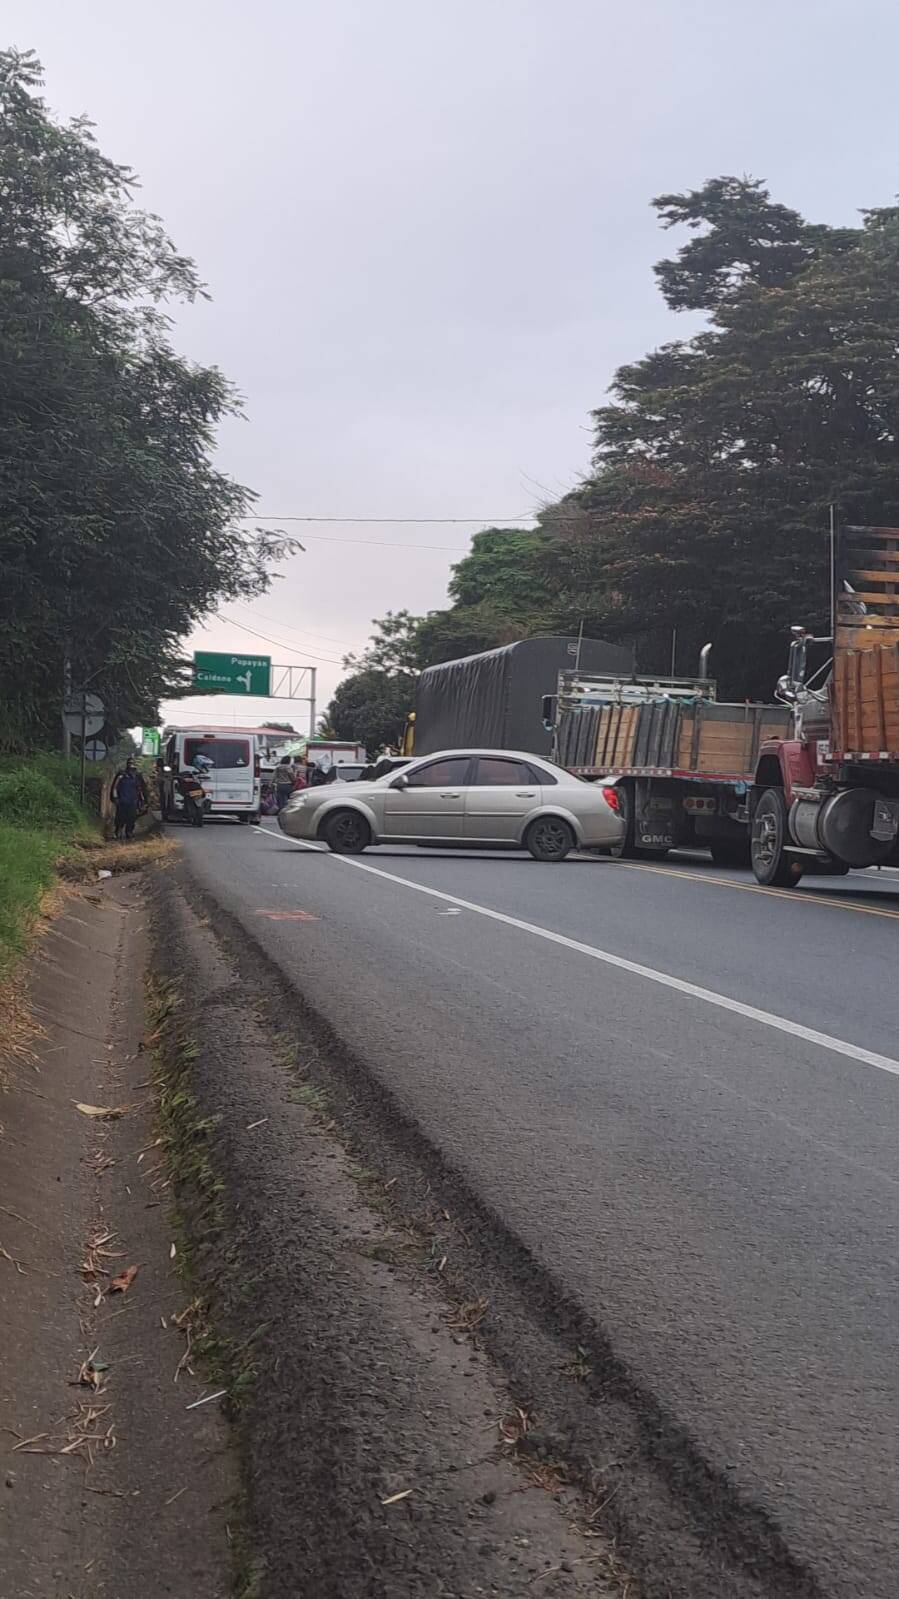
{"type": "Point", "coordinates": [826, 798]}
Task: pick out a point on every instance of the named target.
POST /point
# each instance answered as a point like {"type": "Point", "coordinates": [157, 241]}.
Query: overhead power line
{"type": "Point", "coordinates": [328, 660]}
{"type": "Point", "coordinates": [493, 521]}
{"type": "Point", "coordinates": [287, 627]}
{"type": "Point", "coordinates": [483, 522]}
{"type": "Point", "coordinates": [389, 544]}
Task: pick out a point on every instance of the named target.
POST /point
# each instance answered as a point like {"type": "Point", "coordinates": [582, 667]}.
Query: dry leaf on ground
{"type": "Point", "coordinates": [103, 1113]}
{"type": "Point", "coordinates": [122, 1283]}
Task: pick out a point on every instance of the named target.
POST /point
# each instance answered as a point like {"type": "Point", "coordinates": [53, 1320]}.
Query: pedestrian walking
{"type": "Point", "coordinates": [129, 795]}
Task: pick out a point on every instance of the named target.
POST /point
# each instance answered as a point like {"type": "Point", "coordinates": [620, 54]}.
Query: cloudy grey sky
{"type": "Point", "coordinates": [425, 226]}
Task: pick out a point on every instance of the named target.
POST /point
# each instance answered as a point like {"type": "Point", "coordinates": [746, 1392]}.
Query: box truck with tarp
{"type": "Point", "coordinates": [494, 700]}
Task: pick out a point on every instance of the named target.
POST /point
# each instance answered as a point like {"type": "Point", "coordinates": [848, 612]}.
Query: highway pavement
{"type": "Point", "coordinates": [681, 1092]}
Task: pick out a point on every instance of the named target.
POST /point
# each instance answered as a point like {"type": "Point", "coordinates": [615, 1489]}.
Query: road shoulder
{"type": "Point", "coordinates": [109, 1482]}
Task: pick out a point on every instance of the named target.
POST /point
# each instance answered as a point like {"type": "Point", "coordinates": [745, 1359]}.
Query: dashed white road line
{"type": "Point", "coordinates": [708, 996]}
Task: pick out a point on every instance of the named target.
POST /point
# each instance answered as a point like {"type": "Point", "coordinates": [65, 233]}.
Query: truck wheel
{"type": "Point", "coordinates": [729, 852]}
{"type": "Point", "coordinates": [770, 861]}
{"type": "Point", "coordinates": [346, 833]}
{"type": "Point", "coordinates": [549, 839]}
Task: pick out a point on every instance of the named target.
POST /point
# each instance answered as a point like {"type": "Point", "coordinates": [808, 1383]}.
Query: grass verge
{"type": "Point", "coordinates": [45, 835]}
{"type": "Point", "coordinates": [27, 870]}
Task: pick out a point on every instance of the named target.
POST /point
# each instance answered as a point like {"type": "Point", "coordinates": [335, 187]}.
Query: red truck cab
{"type": "Point", "coordinates": [826, 799]}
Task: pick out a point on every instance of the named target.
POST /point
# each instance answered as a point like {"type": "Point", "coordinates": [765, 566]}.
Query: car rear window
{"type": "Point", "coordinates": [224, 753]}
{"type": "Point", "coordinates": [495, 772]}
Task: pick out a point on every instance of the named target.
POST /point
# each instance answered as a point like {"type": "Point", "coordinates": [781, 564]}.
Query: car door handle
{"type": "Point", "coordinates": [525, 793]}
{"type": "Point", "coordinates": [450, 793]}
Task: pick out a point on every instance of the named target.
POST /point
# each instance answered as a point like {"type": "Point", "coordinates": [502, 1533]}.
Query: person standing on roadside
{"type": "Point", "coordinates": [129, 795]}
{"type": "Point", "coordinates": [283, 781]}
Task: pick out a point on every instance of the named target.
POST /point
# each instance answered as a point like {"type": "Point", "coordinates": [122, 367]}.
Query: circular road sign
{"type": "Point", "coordinates": [83, 713]}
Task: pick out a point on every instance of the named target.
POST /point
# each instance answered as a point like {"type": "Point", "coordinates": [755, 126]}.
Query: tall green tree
{"type": "Point", "coordinates": [718, 457]}
{"type": "Point", "coordinates": [372, 702]}
{"type": "Point", "coordinates": [498, 591]}
{"type": "Point", "coordinates": [116, 531]}
{"type": "Point", "coordinates": [371, 707]}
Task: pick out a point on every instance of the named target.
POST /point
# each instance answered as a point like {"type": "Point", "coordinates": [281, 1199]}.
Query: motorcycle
{"type": "Point", "coordinates": [193, 796]}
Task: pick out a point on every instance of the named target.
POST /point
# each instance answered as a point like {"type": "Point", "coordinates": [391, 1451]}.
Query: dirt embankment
{"type": "Point", "coordinates": [109, 1483]}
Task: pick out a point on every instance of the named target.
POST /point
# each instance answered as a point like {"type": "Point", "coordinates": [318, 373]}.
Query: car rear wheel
{"type": "Point", "coordinates": [549, 839]}
{"type": "Point", "coordinates": [346, 832]}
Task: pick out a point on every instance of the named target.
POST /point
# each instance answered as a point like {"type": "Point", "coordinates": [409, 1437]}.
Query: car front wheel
{"type": "Point", "coordinates": [549, 839]}
{"type": "Point", "coordinates": [346, 833]}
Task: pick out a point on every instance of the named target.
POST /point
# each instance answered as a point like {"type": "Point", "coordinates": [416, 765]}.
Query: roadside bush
{"type": "Point", "coordinates": [27, 862]}
{"type": "Point", "coordinates": [29, 798]}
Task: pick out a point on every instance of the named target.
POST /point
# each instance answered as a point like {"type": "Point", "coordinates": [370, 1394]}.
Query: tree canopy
{"type": "Point", "coordinates": [371, 704]}
{"type": "Point", "coordinates": [116, 531]}
{"type": "Point", "coordinates": [717, 457]}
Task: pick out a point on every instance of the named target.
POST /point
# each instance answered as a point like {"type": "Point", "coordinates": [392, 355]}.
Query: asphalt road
{"type": "Point", "coordinates": [682, 1092]}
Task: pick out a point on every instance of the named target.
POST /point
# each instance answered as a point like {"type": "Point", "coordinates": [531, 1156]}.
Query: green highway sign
{"type": "Point", "coordinates": [231, 674]}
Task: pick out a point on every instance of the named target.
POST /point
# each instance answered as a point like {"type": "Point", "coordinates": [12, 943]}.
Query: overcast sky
{"type": "Point", "coordinates": [426, 229]}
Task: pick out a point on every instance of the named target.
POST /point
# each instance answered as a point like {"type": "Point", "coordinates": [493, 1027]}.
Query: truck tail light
{"type": "Point", "coordinates": [610, 795]}
{"type": "Point", "coordinates": [257, 766]}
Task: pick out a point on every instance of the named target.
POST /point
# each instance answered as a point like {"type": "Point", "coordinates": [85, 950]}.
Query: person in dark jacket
{"type": "Point", "coordinates": [129, 795]}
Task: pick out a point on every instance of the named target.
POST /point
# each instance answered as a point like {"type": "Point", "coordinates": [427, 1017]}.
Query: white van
{"type": "Point", "coordinates": [228, 765]}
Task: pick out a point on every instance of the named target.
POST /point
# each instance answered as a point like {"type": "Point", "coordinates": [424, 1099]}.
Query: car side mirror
{"type": "Point", "coordinates": [400, 782]}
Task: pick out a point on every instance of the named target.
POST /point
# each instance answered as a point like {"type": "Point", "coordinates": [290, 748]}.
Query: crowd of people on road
{"type": "Point", "coordinates": [293, 773]}
{"type": "Point", "coordinates": [290, 775]}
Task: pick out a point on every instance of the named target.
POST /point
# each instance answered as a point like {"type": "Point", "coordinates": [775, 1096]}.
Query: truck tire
{"type": "Point", "coordinates": [730, 852]}
{"type": "Point", "coordinates": [770, 862]}
{"type": "Point", "coordinates": [345, 832]}
{"type": "Point", "coordinates": [549, 839]}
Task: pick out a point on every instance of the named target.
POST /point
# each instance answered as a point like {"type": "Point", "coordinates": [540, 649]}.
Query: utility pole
{"type": "Point", "coordinates": [312, 672]}
{"type": "Point", "coordinates": [66, 691]}
{"type": "Point", "coordinates": [580, 640]}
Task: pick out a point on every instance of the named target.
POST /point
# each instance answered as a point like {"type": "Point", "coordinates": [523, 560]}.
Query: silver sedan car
{"type": "Point", "coordinates": [475, 798]}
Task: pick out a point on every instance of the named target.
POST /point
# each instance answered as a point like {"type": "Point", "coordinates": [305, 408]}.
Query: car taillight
{"type": "Point", "coordinates": [257, 766]}
{"type": "Point", "coordinates": [610, 795]}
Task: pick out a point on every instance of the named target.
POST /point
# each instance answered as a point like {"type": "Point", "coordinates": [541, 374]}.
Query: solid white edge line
{"type": "Point", "coordinates": [752, 1013]}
